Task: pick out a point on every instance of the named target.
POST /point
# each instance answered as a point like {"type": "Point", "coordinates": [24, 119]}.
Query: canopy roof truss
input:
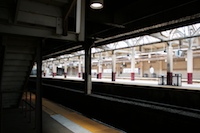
{"type": "Point", "coordinates": [162, 38]}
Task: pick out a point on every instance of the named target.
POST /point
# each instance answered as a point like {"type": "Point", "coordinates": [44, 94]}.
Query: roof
{"type": "Point", "coordinates": [121, 20]}
{"type": "Point", "coordinates": [154, 44]}
{"type": "Point", "coordinates": [56, 21]}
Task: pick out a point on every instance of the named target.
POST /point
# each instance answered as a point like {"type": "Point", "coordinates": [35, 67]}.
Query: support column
{"type": "Point", "coordinates": [169, 64]}
{"type": "Point", "coordinates": [87, 76]}
{"type": "Point", "coordinates": [100, 66]}
{"type": "Point", "coordinates": [1, 106]}
{"type": "Point", "coordinates": [189, 63]}
{"type": "Point", "coordinates": [44, 71]}
{"type": "Point", "coordinates": [83, 73]}
{"type": "Point", "coordinates": [2, 51]}
{"type": "Point", "coordinates": [39, 91]}
{"type": "Point", "coordinates": [54, 69]}
{"type": "Point", "coordinates": [79, 67]}
{"type": "Point", "coordinates": [113, 66]}
{"type": "Point", "coordinates": [160, 67]}
{"type": "Point", "coordinates": [65, 69]}
{"type": "Point", "coordinates": [80, 19]}
{"type": "Point", "coordinates": [141, 68]}
{"type": "Point", "coordinates": [71, 68]}
{"type": "Point", "coordinates": [133, 64]}
{"type": "Point", "coordinates": [30, 107]}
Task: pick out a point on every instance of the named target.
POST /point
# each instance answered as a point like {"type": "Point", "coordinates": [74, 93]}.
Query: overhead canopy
{"type": "Point", "coordinates": [135, 19]}
{"type": "Point", "coordinates": [66, 24]}
{"type": "Point", "coordinates": [172, 35]}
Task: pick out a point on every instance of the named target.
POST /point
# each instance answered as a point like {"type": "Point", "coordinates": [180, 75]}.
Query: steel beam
{"type": "Point", "coordinates": [40, 8]}
{"type": "Point", "coordinates": [63, 51]}
{"type": "Point", "coordinates": [17, 11]}
{"type": "Point", "coordinates": [130, 34]}
{"type": "Point", "coordinates": [39, 91]}
{"type": "Point", "coordinates": [159, 36]}
{"type": "Point", "coordinates": [30, 100]}
{"type": "Point", "coordinates": [80, 20]}
{"type": "Point", "coordinates": [65, 18]}
{"type": "Point", "coordinates": [35, 32]}
{"type": "Point", "coordinates": [37, 19]}
{"type": "Point", "coordinates": [2, 50]}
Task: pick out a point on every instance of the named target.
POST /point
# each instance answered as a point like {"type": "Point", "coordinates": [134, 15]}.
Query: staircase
{"type": "Point", "coordinates": [18, 55]}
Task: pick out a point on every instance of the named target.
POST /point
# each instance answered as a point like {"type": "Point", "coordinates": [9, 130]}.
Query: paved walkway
{"type": "Point", "coordinates": [138, 81]}
{"type": "Point", "coordinates": [56, 119]}
{"type": "Point", "coordinates": [74, 121]}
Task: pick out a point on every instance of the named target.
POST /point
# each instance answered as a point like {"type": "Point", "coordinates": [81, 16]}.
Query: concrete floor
{"type": "Point", "coordinates": [15, 121]}
{"type": "Point", "coordinates": [56, 119]}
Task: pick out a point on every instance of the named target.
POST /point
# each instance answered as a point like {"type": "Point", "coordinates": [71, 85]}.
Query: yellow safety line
{"type": "Point", "coordinates": [93, 126]}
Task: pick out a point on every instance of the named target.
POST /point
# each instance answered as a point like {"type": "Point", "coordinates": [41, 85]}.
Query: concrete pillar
{"type": "Point", "coordinates": [169, 64]}
{"type": "Point", "coordinates": [83, 73]}
{"type": "Point", "coordinates": [113, 66]}
{"type": "Point", "coordinates": [80, 19]}
{"type": "Point", "coordinates": [44, 69]}
{"type": "Point", "coordinates": [100, 66]}
{"type": "Point", "coordinates": [189, 63]}
{"type": "Point", "coordinates": [149, 58]}
{"type": "Point", "coordinates": [79, 67]}
{"type": "Point", "coordinates": [71, 68]}
{"type": "Point", "coordinates": [141, 68]}
{"type": "Point", "coordinates": [88, 73]}
{"type": "Point", "coordinates": [54, 69]}
{"type": "Point", "coordinates": [65, 69]}
{"type": "Point", "coordinates": [160, 67]}
{"type": "Point", "coordinates": [133, 64]}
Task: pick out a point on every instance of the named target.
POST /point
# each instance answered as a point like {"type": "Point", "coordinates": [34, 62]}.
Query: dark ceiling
{"type": "Point", "coordinates": [119, 17]}
{"type": "Point", "coordinates": [119, 20]}
{"type": "Point", "coordinates": [130, 15]}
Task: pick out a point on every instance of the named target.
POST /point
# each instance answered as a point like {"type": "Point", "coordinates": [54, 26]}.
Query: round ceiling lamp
{"type": "Point", "coordinates": [96, 4]}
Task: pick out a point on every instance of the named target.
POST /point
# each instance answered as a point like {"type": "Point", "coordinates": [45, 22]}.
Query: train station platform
{"type": "Point", "coordinates": [75, 121]}
{"type": "Point", "coordinates": [56, 119]}
{"type": "Point", "coordinates": [137, 81]}
{"type": "Point", "coordinates": [144, 103]}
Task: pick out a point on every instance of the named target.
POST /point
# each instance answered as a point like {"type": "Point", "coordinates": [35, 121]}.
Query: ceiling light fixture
{"type": "Point", "coordinates": [96, 4]}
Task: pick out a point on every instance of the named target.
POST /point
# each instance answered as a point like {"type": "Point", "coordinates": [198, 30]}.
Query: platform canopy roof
{"type": "Point", "coordinates": [129, 23]}
{"type": "Point", "coordinates": [66, 26]}
{"type": "Point", "coordinates": [160, 39]}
